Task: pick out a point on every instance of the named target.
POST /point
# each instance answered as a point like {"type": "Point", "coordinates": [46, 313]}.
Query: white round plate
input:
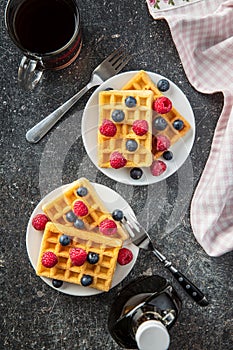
{"type": "Point", "coordinates": [180, 149]}
{"type": "Point", "coordinates": [112, 200]}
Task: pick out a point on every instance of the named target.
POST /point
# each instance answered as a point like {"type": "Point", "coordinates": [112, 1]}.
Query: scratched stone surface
{"type": "Point", "coordinates": [32, 314]}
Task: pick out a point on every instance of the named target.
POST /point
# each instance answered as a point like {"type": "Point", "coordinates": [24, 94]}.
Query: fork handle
{"type": "Point", "coordinates": [36, 133]}
{"type": "Point", "coordinates": [189, 287]}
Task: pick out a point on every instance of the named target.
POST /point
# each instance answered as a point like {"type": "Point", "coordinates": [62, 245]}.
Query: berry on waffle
{"type": "Point", "coordinates": [124, 108]}
{"type": "Point", "coordinates": [78, 196]}
{"type": "Point", "coordinates": [162, 124]}
{"type": "Point", "coordinates": [96, 275]}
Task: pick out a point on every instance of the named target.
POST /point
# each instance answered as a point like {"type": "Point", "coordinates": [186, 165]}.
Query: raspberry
{"type": "Point", "coordinates": [140, 127]}
{"type": "Point", "coordinates": [80, 208]}
{"type": "Point", "coordinates": [39, 222]}
{"type": "Point", "coordinates": [78, 256]}
{"type": "Point", "coordinates": [108, 128]}
{"type": "Point", "coordinates": [124, 256]}
{"type": "Point", "coordinates": [117, 160]}
{"type": "Point", "coordinates": [162, 143]}
{"type": "Point", "coordinates": [157, 167]}
{"type": "Point", "coordinates": [49, 259]}
{"type": "Point", "coordinates": [108, 227]}
{"type": "Point", "coordinates": [162, 105]}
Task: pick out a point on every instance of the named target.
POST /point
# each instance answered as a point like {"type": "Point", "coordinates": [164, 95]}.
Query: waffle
{"type": "Point", "coordinates": [102, 272]}
{"type": "Point", "coordinates": [57, 209]}
{"type": "Point", "coordinates": [142, 81]}
{"type": "Point", "coordinates": [115, 100]}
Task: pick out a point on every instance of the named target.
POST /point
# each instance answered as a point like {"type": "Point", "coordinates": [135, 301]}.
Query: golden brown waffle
{"type": "Point", "coordinates": [57, 208]}
{"type": "Point", "coordinates": [102, 272]}
{"type": "Point", "coordinates": [142, 81]}
{"type": "Point", "coordinates": [115, 100]}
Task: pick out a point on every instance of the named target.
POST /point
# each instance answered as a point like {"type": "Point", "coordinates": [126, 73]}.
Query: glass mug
{"type": "Point", "coordinates": [47, 32]}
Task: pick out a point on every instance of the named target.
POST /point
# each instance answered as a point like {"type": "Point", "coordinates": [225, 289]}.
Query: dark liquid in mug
{"type": "Point", "coordinates": [44, 26]}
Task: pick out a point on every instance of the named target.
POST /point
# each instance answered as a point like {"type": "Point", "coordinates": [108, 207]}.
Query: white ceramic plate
{"type": "Point", "coordinates": [180, 150]}
{"type": "Point", "coordinates": [112, 200]}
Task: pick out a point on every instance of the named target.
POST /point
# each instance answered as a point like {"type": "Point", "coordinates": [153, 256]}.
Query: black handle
{"type": "Point", "coordinates": [190, 288]}
{"type": "Point", "coordinates": [187, 285]}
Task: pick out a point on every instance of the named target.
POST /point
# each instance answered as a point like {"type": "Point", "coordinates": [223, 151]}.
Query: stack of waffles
{"type": "Point", "coordinates": [114, 100]}
{"type": "Point", "coordinates": [142, 88]}
{"type": "Point", "coordinates": [86, 235]}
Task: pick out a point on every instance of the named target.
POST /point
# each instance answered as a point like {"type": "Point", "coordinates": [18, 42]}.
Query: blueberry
{"type": "Point", "coordinates": [167, 155]}
{"type": "Point", "coordinates": [82, 191]}
{"type": "Point", "coordinates": [70, 216]}
{"type": "Point", "coordinates": [92, 257]}
{"type": "Point", "coordinates": [130, 101]}
{"type": "Point", "coordinates": [64, 240]}
{"type": "Point", "coordinates": [79, 223]}
{"type": "Point", "coordinates": [117, 215]}
{"type": "Point", "coordinates": [57, 283]}
{"type": "Point", "coordinates": [118, 115]}
{"type": "Point", "coordinates": [160, 123]}
{"type": "Point", "coordinates": [178, 124]}
{"type": "Point", "coordinates": [163, 85]}
{"type": "Point", "coordinates": [131, 145]}
{"type": "Point", "coordinates": [108, 89]}
{"type": "Point", "coordinates": [86, 280]}
{"type": "Point", "coordinates": [136, 173]}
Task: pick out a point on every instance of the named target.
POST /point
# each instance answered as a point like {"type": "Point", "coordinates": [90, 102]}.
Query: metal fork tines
{"type": "Point", "coordinates": [119, 59]}
{"type": "Point", "coordinates": [112, 65]}
{"type": "Point", "coordinates": [140, 237]}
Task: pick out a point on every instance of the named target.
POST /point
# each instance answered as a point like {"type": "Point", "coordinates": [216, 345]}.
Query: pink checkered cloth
{"type": "Point", "coordinates": [202, 31]}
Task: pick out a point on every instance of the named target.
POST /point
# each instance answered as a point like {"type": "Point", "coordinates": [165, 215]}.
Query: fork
{"type": "Point", "coordinates": [107, 69]}
{"type": "Point", "coordinates": [140, 237]}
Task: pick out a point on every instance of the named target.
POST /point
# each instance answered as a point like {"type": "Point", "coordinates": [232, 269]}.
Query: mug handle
{"type": "Point", "coordinates": [29, 73]}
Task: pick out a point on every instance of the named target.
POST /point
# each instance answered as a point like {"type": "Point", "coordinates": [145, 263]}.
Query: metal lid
{"type": "Point", "coordinates": [152, 335]}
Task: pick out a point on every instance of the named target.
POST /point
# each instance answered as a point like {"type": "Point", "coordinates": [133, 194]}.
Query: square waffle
{"type": "Point", "coordinates": [102, 272]}
{"type": "Point", "coordinates": [58, 208]}
{"type": "Point", "coordinates": [115, 100]}
{"type": "Point", "coordinates": [142, 81]}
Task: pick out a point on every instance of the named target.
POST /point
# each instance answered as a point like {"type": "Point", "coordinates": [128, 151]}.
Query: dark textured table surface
{"type": "Point", "coordinates": [35, 316]}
